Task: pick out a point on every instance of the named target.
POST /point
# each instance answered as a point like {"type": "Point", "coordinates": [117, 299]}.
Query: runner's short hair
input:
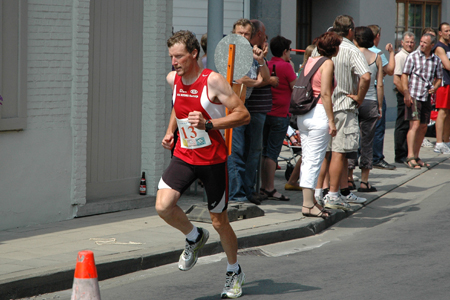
{"type": "Point", "coordinates": [186, 38]}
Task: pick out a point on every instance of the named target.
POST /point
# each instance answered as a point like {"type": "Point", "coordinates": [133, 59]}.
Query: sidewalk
{"type": "Point", "coordinates": [41, 259]}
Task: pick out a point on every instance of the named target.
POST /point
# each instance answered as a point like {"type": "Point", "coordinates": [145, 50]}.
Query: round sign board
{"type": "Point", "coordinates": [243, 58]}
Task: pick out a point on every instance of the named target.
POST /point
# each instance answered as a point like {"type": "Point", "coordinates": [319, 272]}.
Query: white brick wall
{"type": "Point", "coordinates": [58, 56]}
{"type": "Point", "coordinates": [49, 63]}
{"type": "Point", "coordinates": [79, 95]}
{"type": "Point", "coordinates": [156, 104]}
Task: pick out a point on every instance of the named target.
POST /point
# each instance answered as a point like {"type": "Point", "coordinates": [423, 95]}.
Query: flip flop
{"type": "Point", "coordinates": [272, 197]}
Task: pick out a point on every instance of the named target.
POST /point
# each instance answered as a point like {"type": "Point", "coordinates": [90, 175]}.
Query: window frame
{"type": "Point", "coordinates": [304, 24]}
{"type": "Point", "coordinates": [405, 25]}
{"type": "Point", "coordinates": [19, 121]}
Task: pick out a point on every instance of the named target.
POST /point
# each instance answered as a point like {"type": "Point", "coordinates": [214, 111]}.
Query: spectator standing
{"type": "Point", "coordinates": [317, 125]}
{"type": "Point", "coordinates": [353, 78]}
{"type": "Point", "coordinates": [425, 71]}
{"type": "Point", "coordinates": [401, 125]}
{"type": "Point", "coordinates": [277, 120]}
{"type": "Point", "coordinates": [443, 93]}
{"type": "Point", "coordinates": [247, 140]}
{"type": "Point", "coordinates": [388, 69]}
{"type": "Point", "coordinates": [370, 111]}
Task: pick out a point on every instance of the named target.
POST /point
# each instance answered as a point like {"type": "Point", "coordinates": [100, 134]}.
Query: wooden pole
{"type": "Point", "coordinates": [230, 71]}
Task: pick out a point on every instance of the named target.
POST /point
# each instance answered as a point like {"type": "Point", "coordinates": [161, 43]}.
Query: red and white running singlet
{"type": "Point", "coordinates": [196, 146]}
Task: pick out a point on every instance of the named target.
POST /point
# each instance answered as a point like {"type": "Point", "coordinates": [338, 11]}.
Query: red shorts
{"type": "Point", "coordinates": [443, 97]}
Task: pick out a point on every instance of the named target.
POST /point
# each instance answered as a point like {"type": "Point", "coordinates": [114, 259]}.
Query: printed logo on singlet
{"type": "Point", "coordinates": [192, 93]}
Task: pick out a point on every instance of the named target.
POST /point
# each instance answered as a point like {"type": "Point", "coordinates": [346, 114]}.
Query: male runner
{"type": "Point", "coordinates": [199, 100]}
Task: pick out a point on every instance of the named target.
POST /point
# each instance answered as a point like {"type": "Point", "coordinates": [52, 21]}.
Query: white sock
{"type": "Point", "coordinates": [318, 193]}
{"type": "Point", "coordinates": [233, 268]}
{"type": "Point", "coordinates": [333, 194]}
{"type": "Point", "coordinates": [439, 144]}
{"type": "Point", "coordinates": [193, 235]}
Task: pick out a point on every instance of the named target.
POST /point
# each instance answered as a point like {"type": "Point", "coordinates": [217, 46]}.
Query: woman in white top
{"type": "Point", "coordinates": [370, 110]}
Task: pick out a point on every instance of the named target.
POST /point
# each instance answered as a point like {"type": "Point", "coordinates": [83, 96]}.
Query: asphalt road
{"type": "Point", "coordinates": [395, 248]}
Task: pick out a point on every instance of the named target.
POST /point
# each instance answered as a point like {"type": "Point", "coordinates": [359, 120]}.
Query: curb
{"type": "Point", "coordinates": [52, 279]}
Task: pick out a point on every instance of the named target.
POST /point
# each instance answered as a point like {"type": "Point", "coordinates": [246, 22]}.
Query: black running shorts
{"type": "Point", "coordinates": [180, 175]}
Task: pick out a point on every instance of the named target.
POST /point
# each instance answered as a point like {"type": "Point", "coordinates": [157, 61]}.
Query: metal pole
{"type": "Point", "coordinates": [215, 30]}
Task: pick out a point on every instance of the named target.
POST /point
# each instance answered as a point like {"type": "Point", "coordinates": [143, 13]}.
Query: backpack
{"type": "Point", "coordinates": [302, 97]}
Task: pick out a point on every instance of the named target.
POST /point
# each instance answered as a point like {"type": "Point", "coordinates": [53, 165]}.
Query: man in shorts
{"type": "Point", "coordinates": [443, 93]}
{"type": "Point", "coordinates": [353, 78]}
{"type": "Point", "coordinates": [200, 97]}
{"type": "Point", "coordinates": [425, 71]}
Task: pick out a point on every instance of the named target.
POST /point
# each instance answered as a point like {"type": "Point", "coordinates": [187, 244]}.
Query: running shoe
{"type": "Point", "coordinates": [352, 198]}
{"type": "Point", "coordinates": [442, 148]}
{"type": "Point", "coordinates": [189, 257]}
{"type": "Point", "coordinates": [426, 143]}
{"type": "Point", "coordinates": [334, 202]}
{"type": "Point", "coordinates": [233, 285]}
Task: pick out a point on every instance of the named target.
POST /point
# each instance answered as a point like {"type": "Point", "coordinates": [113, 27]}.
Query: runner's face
{"type": "Point", "coordinates": [408, 43]}
{"type": "Point", "coordinates": [244, 31]}
{"type": "Point", "coordinates": [445, 33]}
{"type": "Point", "coordinates": [182, 60]}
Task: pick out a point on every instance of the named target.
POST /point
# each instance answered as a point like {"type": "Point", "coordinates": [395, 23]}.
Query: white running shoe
{"type": "Point", "coordinates": [442, 148]}
{"type": "Point", "coordinates": [352, 198]}
{"type": "Point", "coordinates": [426, 143]}
{"type": "Point", "coordinates": [334, 202]}
{"type": "Point", "coordinates": [233, 285]}
{"type": "Point", "coordinates": [190, 254]}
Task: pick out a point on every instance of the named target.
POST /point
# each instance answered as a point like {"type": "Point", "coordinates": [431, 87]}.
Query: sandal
{"type": "Point", "coordinates": [412, 165]}
{"type": "Point", "coordinates": [321, 214]}
{"type": "Point", "coordinates": [423, 164]}
{"type": "Point", "coordinates": [351, 185]}
{"type": "Point", "coordinates": [272, 197]}
{"type": "Point", "coordinates": [368, 189]}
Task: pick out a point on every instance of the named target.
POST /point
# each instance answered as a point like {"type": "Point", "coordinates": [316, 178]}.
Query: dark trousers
{"type": "Point", "coordinates": [401, 130]}
{"type": "Point", "coordinates": [378, 139]}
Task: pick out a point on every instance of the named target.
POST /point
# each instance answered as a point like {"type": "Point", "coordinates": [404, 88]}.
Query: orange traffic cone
{"type": "Point", "coordinates": [85, 282]}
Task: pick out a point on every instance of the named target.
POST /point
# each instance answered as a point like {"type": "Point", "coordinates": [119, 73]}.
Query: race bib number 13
{"type": "Point", "coordinates": [191, 137]}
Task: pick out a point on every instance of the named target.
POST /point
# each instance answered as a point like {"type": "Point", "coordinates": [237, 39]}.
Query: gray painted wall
{"type": "Point", "coordinates": [364, 12]}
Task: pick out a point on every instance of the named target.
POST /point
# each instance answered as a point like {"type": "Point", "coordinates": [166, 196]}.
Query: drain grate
{"type": "Point", "coordinates": [252, 252]}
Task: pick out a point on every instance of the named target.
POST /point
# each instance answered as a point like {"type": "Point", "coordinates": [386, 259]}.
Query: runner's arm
{"type": "Point", "coordinates": [218, 88]}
